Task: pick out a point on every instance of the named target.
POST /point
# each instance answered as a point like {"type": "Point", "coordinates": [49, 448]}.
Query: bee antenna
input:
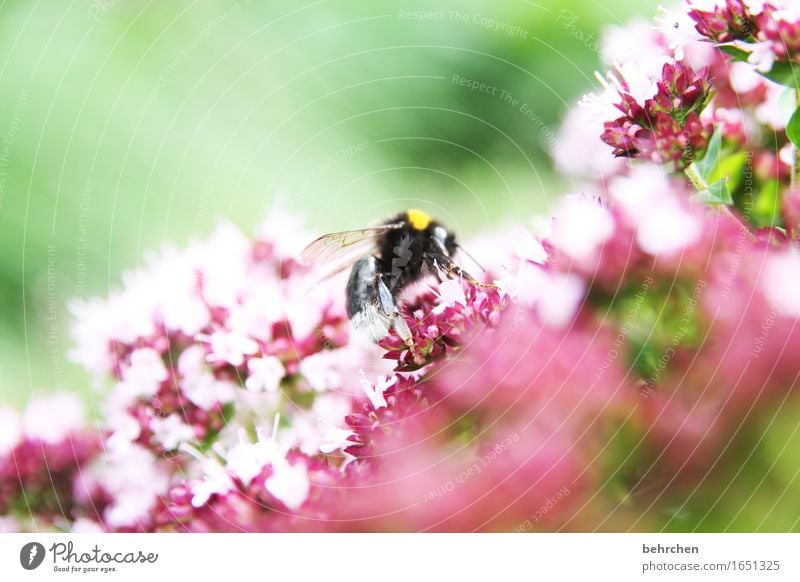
{"type": "Point", "coordinates": [463, 250]}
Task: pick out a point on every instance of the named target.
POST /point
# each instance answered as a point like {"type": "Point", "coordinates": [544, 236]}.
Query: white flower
{"type": "Point", "coordinates": [528, 248]}
{"type": "Point", "coordinates": [200, 386]}
{"type": "Point", "coordinates": [172, 279]}
{"type": "Point", "coordinates": [285, 233]}
{"type": "Point", "coordinates": [305, 299]}
{"type": "Point", "coordinates": [450, 293]}
{"type": "Point", "coordinates": [323, 370]}
{"type": "Point", "coordinates": [207, 391]}
{"type": "Point", "coordinates": [780, 281]}
{"type": "Point", "coordinates": [266, 374]}
{"type": "Point", "coordinates": [144, 375]}
{"type": "Point", "coordinates": [322, 428]}
{"type": "Point", "coordinates": [678, 30]}
{"type": "Point", "coordinates": [52, 418]}
{"type": "Point", "coordinates": [126, 428]}
{"type": "Point", "coordinates": [762, 56]}
{"type": "Point", "coordinates": [335, 439]}
{"type": "Point", "coordinates": [191, 363]}
{"type": "Point", "coordinates": [135, 480]}
{"type": "Point", "coordinates": [578, 148]}
{"type": "Point", "coordinates": [92, 333]}
{"type": "Point", "coordinates": [261, 306]}
{"type": "Point", "coordinates": [744, 78]}
{"type": "Point", "coordinates": [636, 42]}
{"type": "Point", "coordinates": [756, 7]}
{"type": "Point", "coordinates": [224, 265]}
{"type": "Point", "coordinates": [289, 483]}
{"type": "Point", "coordinates": [647, 199]}
{"type": "Point", "coordinates": [229, 346]}
{"type": "Point", "coordinates": [580, 227]}
{"type": "Point", "coordinates": [246, 460]}
{"type": "Point", "coordinates": [556, 297]}
{"type": "Point", "coordinates": [375, 391]}
{"type": "Point", "coordinates": [636, 193]}
{"type": "Point", "coordinates": [559, 299]}
{"type": "Point", "coordinates": [787, 10]}
{"type": "Point", "coordinates": [522, 285]}
{"type": "Point", "coordinates": [171, 431]}
{"type": "Point", "coordinates": [85, 525]}
{"type": "Point", "coordinates": [215, 482]}
{"type": "Point", "coordinates": [667, 228]}
{"type": "Point", "coordinates": [706, 5]}
{"type": "Point", "coordinates": [786, 154]}
{"type": "Point", "coordinates": [777, 108]}
{"type": "Point", "coordinates": [185, 313]}
{"type": "Point", "coordinates": [638, 83]}
{"type": "Point", "coordinates": [9, 524]}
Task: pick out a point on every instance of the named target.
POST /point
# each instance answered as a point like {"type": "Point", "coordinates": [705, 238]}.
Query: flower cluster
{"type": "Point", "coordinates": [45, 454]}
{"type": "Point", "coordinates": [723, 21]}
{"type": "Point", "coordinates": [442, 319]}
{"type": "Point", "coordinates": [665, 125]}
{"type": "Point", "coordinates": [709, 93]}
{"type": "Point", "coordinates": [699, 304]}
{"type": "Point", "coordinates": [205, 346]}
{"type": "Point", "coordinates": [768, 31]}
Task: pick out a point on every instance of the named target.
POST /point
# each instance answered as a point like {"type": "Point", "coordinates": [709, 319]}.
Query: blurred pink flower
{"type": "Point", "coordinates": [43, 455]}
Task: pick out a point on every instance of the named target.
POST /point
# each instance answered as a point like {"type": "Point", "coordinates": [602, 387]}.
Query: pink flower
{"type": "Point", "coordinates": [661, 123]}
{"type": "Point", "coordinates": [722, 20]}
{"type": "Point", "coordinates": [779, 32]}
{"type": "Point", "coordinates": [43, 456]}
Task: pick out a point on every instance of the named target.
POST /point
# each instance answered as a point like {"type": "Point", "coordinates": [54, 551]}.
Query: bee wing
{"type": "Point", "coordinates": [347, 243]}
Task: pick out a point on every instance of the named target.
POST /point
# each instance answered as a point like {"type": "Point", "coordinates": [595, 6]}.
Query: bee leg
{"type": "Point", "coordinates": [444, 267]}
{"type": "Point", "coordinates": [389, 307]}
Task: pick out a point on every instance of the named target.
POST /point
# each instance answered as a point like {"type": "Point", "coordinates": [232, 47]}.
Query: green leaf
{"type": "Point", "coordinates": [716, 193]}
{"type": "Point", "coordinates": [793, 128]}
{"type": "Point", "coordinates": [785, 73]}
{"type": "Point", "coordinates": [766, 208]}
{"type": "Point", "coordinates": [732, 167]}
{"type": "Point", "coordinates": [706, 166]}
{"type": "Point", "coordinates": [734, 51]}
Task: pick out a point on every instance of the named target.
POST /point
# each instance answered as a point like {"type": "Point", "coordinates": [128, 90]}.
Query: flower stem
{"type": "Point", "coordinates": [695, 178]}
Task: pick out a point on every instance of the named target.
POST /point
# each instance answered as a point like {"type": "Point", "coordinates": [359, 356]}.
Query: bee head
{"type": "Point", "coordinates": [422, 221]}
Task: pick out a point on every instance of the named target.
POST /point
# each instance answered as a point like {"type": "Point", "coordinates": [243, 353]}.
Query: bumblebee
{"type": "Point", "coordinates": [388, 257]}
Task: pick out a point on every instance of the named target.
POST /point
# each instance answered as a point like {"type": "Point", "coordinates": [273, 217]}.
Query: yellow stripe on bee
{"type": "Point", "coordinates": [418, 219]}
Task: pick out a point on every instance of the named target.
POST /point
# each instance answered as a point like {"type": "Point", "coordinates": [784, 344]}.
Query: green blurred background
{"type": "Point", "coordinates": [127, 124]}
